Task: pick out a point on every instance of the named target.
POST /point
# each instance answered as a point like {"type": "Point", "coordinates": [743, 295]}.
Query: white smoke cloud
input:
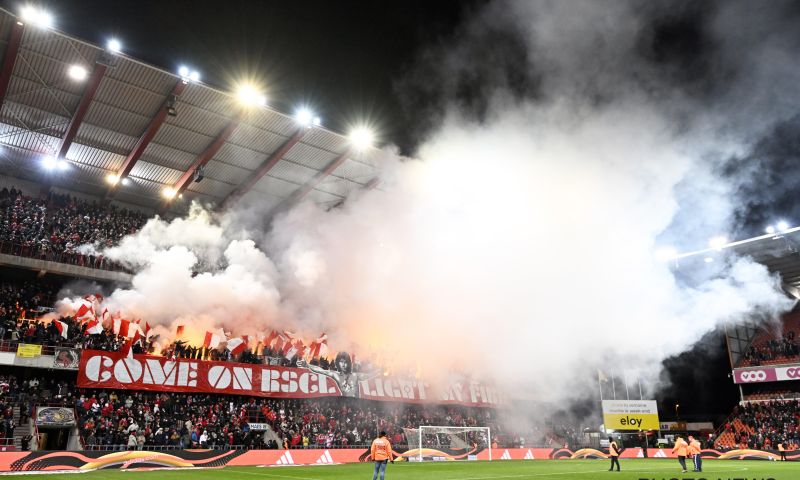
{"type": "Point", "coordinates": [520, 246]}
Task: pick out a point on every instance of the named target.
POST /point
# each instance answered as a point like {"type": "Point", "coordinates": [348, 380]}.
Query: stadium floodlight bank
{"type": "Point", "coordinates": [433, 438]}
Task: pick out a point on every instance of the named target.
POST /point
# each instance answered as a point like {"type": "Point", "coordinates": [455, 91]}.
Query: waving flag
{"type": "Point", "coordinates": [122, 327]}
{"type": "Point", "coordinates": [237, 345]}
{"type": "Point", "coordinates": [94, 327]}
{"type": "Point", "coordinates": [319, 347]}
{"type": "Point", "coordinates": [212, 340]}
{"type": "Point", "coordinates": [127, 348]}
{"type": "Point", "coordinates": [61, 327]}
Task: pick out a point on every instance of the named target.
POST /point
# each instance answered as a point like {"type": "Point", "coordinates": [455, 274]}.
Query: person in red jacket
{"type": "Point", "coordinates": [381, 451]}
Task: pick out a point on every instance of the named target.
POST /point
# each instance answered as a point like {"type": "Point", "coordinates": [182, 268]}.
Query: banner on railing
{"type": "Point", "coordinates": [27, 350]}
{"type": "Point", "coordinates": [67, 358]}
{"type": "Point", "coordinates": [766, 374]}
{"type": "Point", "coordinates": [55, 417]}
{"type": "Point", "coordinates": [143, 372]}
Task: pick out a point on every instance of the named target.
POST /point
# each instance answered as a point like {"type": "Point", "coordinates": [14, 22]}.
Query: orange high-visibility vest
{"type": "Point", "coordinates": [381, 449]}
{"type": "Point", "coordinates": [680, 448]}
{"type": "Point", "coordinates": [694, 447]}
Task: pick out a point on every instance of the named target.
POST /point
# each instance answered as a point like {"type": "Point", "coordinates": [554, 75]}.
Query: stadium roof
{"type": "Point", "coordinates": [779, 252]}
{"type": "Point", "coordinates": [117, 121]}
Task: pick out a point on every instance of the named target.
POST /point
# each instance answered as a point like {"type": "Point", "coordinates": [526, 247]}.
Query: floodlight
{"type": "Point", "coordinates": [718, 242]}
{"type": "Point", "coordinates": [77, 72]}
{"type": "Point", "coordinates": [317, 121]}
{"type": "Point", "coordinates": [183, 71]}
{"type": "Point", "coordinates": [249, 96]}
{"type": "Point", "coordinates": [770, 229]}
{"type": "Point", "coordinates": [62, 164]}
{"type": "Point", "coordinates": [126, 181]}
{"type": "Point", "coordinates": [708, 259]}
{"type": "Point", "coordinates": [112, 179]}
{"type": "Point", "coordinates": [36, 16]}
{"type": "Point", "coordinates": [49, 163]}
{"type": "Point", "coordinates": [361, 138]}
{"type": "Point", "coordinates": [168, 192]}
{"type": "Point", "coordinates": [304, 117]}
{"type": "Point", "coordinates": [783, 225]}
{"type": "Point", "coordinates": [114, 45]}
{"type": "Point", "coordinates": [194, 76]}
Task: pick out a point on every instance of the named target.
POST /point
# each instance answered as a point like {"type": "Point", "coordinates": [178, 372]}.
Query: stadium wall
{"type": "Point", "coordinates": [127, 460]}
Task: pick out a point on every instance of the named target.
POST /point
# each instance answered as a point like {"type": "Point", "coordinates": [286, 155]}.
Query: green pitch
{"type": "Point", "coordinates": [512, 470]}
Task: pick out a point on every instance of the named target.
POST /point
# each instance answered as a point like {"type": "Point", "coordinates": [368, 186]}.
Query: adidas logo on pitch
{"type": "Point", "coordinates": [325, 458]}
{"type": "Point", "coordinates": [505, 456]}
{"type": "Point", "coordinates": [528, 456]}
{"type": "Point", "coordinates": [660, 454]}
{"type": "Point", "coordinates": [286, 459]}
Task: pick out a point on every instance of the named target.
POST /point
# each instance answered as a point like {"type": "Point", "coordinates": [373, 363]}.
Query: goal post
{"type": "Point", "coordinates": [456, 441]}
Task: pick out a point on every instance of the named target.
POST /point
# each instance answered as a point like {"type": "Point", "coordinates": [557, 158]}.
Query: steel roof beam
{"type": "Point", "coordinates": [203, 159]}
{"type": "Point", "coordinates": [83, 107]}
{"type": "Point", "coordinates": [263, 169]}
{"type": "Point", "coordinates": [146, 138]}
{"type": "Point", "coordinates": [10, 57]}
{"type": "Point", "coordinates": [301, 192]}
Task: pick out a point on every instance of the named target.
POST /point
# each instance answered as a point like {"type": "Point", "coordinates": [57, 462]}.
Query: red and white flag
{"type": "Point", "coordinates": [85, 311]}
{"type": "Point", "coordinates": [127, 348]}
{"type": "Point", "coordinates": [291, 349]}
{"type": "Point", "coordinates": [319, 347]}
{"type": "Point", "coordinates": [146, 329]}
{"type": "Point", "coordinates": [213, 339]}
{"type": "Point", "coordinates": [123, 328]}
{"type": "Point", "coordinates": [237, 345]}
{"type": "Point", "coordinates": [94, 327]}
{"type": "Point", "coordinates": [270, 338]}
{"type": "Point", "coordinates": [61, 327]}
{"type": "Point", "coordinates": [138, 335]}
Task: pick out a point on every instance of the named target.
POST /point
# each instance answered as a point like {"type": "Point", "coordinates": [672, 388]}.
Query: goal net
{"type": "Point", "coordinates": [434, 443]}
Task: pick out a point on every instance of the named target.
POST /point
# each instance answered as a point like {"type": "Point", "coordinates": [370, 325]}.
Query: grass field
{"type": "Point", "coordinates": [536, 469]}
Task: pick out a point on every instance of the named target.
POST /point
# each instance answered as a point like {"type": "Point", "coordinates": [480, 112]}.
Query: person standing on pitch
{"type": "Point", "coordinates": [681, 449]}
{"type": "Point", "coordinates": [782, 451]}
{"type": "Point", "coordinates": [381, 454]}
{"type": "Point", "coordinates": [613, 453]}
{"type": "Point", "coordinates": [694, 450]}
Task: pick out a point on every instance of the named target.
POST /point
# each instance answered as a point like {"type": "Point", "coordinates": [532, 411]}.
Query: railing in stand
{"type": "Point", "coordinates": [70, 258]}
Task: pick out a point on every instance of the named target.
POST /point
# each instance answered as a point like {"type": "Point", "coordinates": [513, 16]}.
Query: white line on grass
{"type": "Point", "coordinates": [264, 474]}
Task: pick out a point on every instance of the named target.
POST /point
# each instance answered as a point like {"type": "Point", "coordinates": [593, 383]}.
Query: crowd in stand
{"type": "Point", "coordinates": [54, 226]}
{"type": "Point", "coordinates": [764, 425]}
{"type": "Point", "coordinates": [785, 348]}
{"type": "Point", "coordinates": [138, 419]}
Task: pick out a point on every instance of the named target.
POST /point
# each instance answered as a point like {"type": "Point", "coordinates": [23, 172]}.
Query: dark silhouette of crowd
{"type": "Point", "coordinates": [763, 425]}
{"type": "Point", "coordinates": [54, 226]}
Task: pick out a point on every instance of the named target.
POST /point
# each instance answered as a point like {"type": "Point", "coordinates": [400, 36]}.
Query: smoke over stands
{"type": "Point", "coordinates": [519, 246]}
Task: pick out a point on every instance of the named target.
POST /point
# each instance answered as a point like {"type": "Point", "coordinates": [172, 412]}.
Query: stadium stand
{"type": "Point", "coordinates": [762, 425]}
{"type": "Point", "coordinates": [775, 346]}
{"type": "Point", "coordinates": [107, 418]}
{"type": "Point", "coordinates": [58, 227]}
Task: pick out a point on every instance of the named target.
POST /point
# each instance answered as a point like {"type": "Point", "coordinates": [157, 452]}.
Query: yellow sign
{"type": "Point", "coordinates": [28, 351]}
{"type": "Point", "coordinates": [630, 415]}
{"type": "Point", "coordinates": [631, 421]}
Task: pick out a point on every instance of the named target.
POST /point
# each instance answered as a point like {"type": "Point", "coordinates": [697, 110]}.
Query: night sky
{"type": "Point", "coordinates": [355, 61]}
{"type": "Point", "coordinates": [342, 58]}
